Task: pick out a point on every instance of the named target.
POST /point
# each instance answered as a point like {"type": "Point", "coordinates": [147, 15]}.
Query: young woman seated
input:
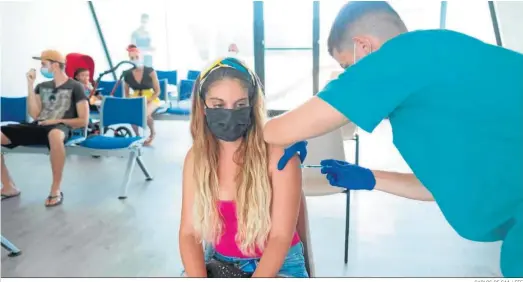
{"type": "Point", "coordinates": [143, 81]}
{"type": "Point", "coordinates": [234, 197]}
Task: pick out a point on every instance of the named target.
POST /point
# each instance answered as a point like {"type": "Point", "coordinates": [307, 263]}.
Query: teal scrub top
{"type": "Point", "coordinates": [455, 105]}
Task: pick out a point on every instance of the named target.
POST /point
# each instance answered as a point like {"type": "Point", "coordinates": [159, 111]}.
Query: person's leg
{"type": "Point", "coordinates": [151, 108]}
{"type": "Point", "coordinates": [8, 186]}
{"type": "Point", "coordinates": [512, 248]}
{"type": "Point", "coordinates": [57, 154]}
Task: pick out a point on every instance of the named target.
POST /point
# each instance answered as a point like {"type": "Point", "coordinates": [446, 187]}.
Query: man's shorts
{"type": "Point", "coordinates": [30, 134]}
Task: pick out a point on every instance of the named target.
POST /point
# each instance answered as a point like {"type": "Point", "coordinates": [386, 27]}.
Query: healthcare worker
{"type": "Point", "coordinates": [455, 105]}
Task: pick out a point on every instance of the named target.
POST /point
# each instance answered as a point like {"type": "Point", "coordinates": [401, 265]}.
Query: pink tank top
{"type": "Point", "coordinates": [227, 245]}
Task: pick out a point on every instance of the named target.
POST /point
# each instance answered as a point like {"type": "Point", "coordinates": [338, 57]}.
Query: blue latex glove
{"type": "Point", "coordinates": [299, 148]}
{"type": "Point", "coordinates": [345, 175]}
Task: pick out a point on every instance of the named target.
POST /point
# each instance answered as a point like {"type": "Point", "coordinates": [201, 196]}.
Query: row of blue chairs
{"type": "Point", "coordinates": [183, 89]}
{"type": "Point", "coordinates": [172, 76]}
{"type": "Point", "coordinates": [172, 92]}
{"type": "Point", "coordinates": [114, 111]}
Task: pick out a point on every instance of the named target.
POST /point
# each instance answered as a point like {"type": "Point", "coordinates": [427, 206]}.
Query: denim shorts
{"type": "Point", "coordinates": [293, 265]}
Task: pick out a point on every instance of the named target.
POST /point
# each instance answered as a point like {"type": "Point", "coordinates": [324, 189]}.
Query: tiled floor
{"type": "Point", "coordinates": [94, 234]}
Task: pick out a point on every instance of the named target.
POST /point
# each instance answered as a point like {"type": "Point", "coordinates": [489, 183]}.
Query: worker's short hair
{"type": "Point", "coordinates": [376, 18]}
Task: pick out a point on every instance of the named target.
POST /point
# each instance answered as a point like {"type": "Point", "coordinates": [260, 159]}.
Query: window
{"type": "Point", "coordinates": [199, 32]}
{"type": "Point", "coordinates": [288, 53]}
{"type": "Point", "coordinates": [471, 18]}
{"type": "Point", "coordinates": [141, 23]}
{"type": "Point", "coordinates": [31, 27]}
{"type": "Point", "coordinates": [415, 14]}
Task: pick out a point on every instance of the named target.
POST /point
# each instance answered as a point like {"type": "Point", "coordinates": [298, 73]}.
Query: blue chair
{"type": "Point", "coordinates": [193, 74]}
{"type": "Point", "coordinates": [164, 98]}
{"type": "Point", "coordinates": [184, 93]}
{"type": "Point", "coordinates": [186, 89]}
{"type": "Point", "coordinates": [116, 111]}
{"type": "Point", "coordinates": [164, 83]}
{"type": "Point", "coordinates": [171, 76]}
{"type": "Point", "coordinates": [13, 109]}
{"type": "Point", "coordinates": [107, 86]}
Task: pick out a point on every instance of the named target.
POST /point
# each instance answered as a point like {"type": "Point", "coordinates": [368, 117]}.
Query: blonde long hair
{"type": "Point", "coordinates": [253, 191]}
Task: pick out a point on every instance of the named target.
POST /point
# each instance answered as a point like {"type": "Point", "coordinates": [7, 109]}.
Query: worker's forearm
{"type": "Point", "coordinates": [192, 256]}
{"type": "Point", "coordinates": [32, 105]}
{"type": "Point", "coordinates": [273, 257]}
{"type": "Point", "coordinates": [401, 184]}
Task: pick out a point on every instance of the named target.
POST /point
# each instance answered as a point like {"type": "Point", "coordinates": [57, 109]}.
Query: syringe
{"type": "Point", "coordinates": [311, 166]}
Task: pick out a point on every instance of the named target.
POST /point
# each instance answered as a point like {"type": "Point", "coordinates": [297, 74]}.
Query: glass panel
{"type": "Point", "coordinates": [288, 78]}
{"type": "Point", "coordinates": [288, 23]}
{"type": "Point", "coordinates": [509, 20]}
{"type": "Point", "coordinates": [415, 14]}
{"type": "Point", "coordinates": [471, 18]}
{"type": "Point", "coordinates": [195, 41]}
{"type": "Point", "coordinates": [178, 41]}
{"type": "Point", "coordinates": [140, 23]}
{"type": "Point", "coordinates": [45, 26]}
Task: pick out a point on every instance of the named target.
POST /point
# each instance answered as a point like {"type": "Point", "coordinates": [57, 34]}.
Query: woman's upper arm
{"type": "Point", "coordinates": [286, 195]}
{"type": "Point", "coordinates": [156, 83]}
{"type": "Point", "coordinates": [186, 226]}
{"type": "Point", "coordinates": [126, 89]}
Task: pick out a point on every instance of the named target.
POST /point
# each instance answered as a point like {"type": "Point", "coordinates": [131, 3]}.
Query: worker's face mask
{"type": "Point", "coordinates": [46, 72]}
{"type": "Point", "coordinates": [228, 124]}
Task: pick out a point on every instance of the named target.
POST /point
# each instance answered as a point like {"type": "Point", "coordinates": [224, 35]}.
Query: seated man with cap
{"type": "Point", "coordinates": [57, 107]}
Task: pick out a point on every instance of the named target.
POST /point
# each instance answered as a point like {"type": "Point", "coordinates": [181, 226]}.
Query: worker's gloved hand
{"type": "Point", "coordinates": [299, 148]}
{"type": "Point", "coordinates": [346, 175]}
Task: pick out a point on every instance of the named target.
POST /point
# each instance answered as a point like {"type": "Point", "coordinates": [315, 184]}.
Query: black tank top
{"type": "Point", "coordinates": [146, 83]}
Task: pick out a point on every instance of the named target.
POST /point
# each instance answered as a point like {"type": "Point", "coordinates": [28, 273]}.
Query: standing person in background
{"type": "Point", "coordinates": [233, 50]}
{"type": "Point", "coordinates": [142, 39]}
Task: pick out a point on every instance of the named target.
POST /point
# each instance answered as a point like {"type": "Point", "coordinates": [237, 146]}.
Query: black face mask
{"type": "Point", "coordinates": [228, 125]}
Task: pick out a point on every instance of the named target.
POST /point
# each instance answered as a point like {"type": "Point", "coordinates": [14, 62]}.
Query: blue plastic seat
{"type": "Point", "coordinates": [13, 109]}
{"type": "Point", "coordinates": [193, 74]}
{"type": "Point", "coordinates": [179, 111]}
{"type": "Point", "coordinates": [107, 86]}
{"type": "Point", "coordinates": [101, 142]}
{"type": "Point", "coordinates": [171, 76]}
{"type": "Point", "coordinates": [186, 89]}
{"type": "Point", "coordinates": [118, 111]}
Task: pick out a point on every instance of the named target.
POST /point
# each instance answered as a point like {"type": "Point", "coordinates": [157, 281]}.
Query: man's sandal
{"type": "Point", "coordinates": [6, 196]}
{"type": "Point", "coordinates": [59, 202]}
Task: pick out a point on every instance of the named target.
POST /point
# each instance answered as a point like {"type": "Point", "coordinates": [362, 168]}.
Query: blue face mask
{"type": "Point", "coordinates": [46, 73]}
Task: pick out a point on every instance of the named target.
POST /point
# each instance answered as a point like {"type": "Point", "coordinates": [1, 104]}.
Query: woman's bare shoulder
{"type": "Point", "coordinates": [188, 162]}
